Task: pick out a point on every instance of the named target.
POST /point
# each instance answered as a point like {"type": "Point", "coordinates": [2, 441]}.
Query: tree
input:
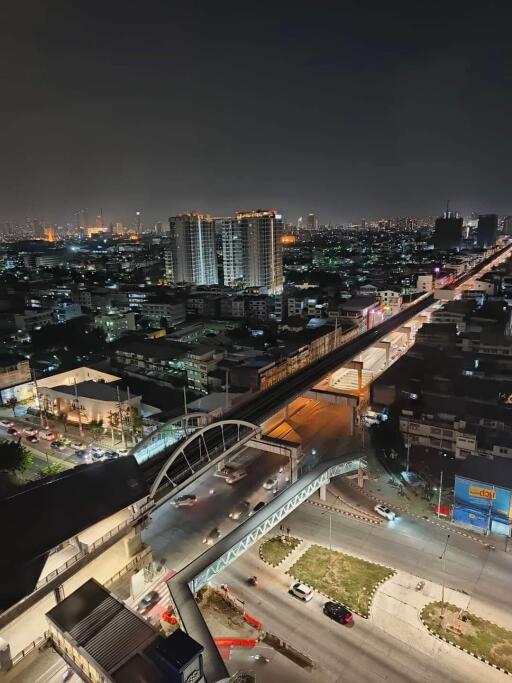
{"type": "Point", "coordinates": [12, 403]}
{"type": "Point", "coordinates": [96, 427]}
{"type": "Point", "coordinates": [64, 418]}
{"type": "Point", "coordinates": [52, 468]}
{"type": "Point", "coordinates": [14, 457]}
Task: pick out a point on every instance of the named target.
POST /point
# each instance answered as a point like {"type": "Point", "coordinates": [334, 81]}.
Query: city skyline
{"type": "Point", "coordinates": [367, 112]}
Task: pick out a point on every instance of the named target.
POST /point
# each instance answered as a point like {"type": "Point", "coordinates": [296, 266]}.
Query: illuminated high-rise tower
{"type": "Point", "coordinates": [193, 256]}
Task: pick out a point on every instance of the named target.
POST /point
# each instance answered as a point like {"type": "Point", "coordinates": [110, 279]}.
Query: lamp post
{"type": "Point", "coordinates": [443, 558]}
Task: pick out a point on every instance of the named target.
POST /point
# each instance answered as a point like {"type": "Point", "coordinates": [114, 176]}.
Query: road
{"type": "Point", "coordinates": [363, 652]}
{"type": "Point", "coordinates": [415, 546]}
{"type": "Point", "coordinates": [175, 534]}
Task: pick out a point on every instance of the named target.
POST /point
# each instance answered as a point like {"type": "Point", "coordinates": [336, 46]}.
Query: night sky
{"type": "Point", "coordinates": [347, 109]}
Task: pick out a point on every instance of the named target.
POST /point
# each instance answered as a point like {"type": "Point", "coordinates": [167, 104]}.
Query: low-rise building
{"type": "Point", "coordinates": [424, 283]}
{"type": "Point", "coordinates": [115, 324]}
{"type": "Point", "coordinates": [173, 311]}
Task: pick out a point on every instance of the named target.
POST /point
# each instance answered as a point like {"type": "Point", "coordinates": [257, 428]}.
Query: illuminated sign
{"type": "Point", "coordinates": [480, 492]}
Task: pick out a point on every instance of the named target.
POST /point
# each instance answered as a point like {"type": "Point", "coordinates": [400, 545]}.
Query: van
{"type": "Point", "coordinates": [236, 476]}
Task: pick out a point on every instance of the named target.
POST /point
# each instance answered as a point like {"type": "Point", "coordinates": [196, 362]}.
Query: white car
{"type": "Point", "coordinates": [384, 511]}
{"type": "Point", "coordinates": [184, 501]}
{"type": "Point", "coordinates": [301, 591]}
{"type": "Point", "coordinates": [6, 423]}
{"type": "Point", "coordinates": [30, 431]}
{"type": "Point", "coordinates": [270, 484]}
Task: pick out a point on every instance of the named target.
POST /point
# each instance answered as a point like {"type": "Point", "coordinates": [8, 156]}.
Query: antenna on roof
{"type": "Point", "coordinates": [447, 208]}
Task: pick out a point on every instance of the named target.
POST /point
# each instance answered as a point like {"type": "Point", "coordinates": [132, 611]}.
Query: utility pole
{"type": "Point", "coordinates": [439, 497]}
{"type": "Point", "coordinates": [77, 402]}
{"type": "Point", "coordinates": [443, 557]}
{"type": "Point", "coordinates": [34, 379]}
{"type": "Point", "coordinates": [408, 464]}
{"type": "Point", "coordinates": [227, 390]}
{"type": "Point", "coordinates": [121, 421]}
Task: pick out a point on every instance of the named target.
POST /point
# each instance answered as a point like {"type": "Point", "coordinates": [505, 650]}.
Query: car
{"type": "Point", "coordinates": [235, 476]}
{"type": "Point", "coordinates": [6, 423]}
{"type": "Point", "coordinates": [384, 511]}
{"type": "Point", "coordinates": [148, 601]}
{"type": "Point", "coordinates": [83, 454]}
{"type": "Point", "coordinates": [76, 445]}
{"type": "Point", "coordinates": [32, 439]}
{"type": "Point", "coordinates": [99, 454]}
{"type": "Point", "coordinates": [270, 483]}
{"type": "Point", "coordinates": [257, 507]}
{"type": "Point", "coordinates": [213, 536]}
{"type": "Point", "coordinates": [337, 612]}
{"type": "Point", "coordinates": [123, 451]}
{"type": "Point", "coordinates": [57, 445]}
{"type": "Point", "coordinates": [111, 455]}
{"type": "Point", "coordinates": [30, 431]}
{"type": "Point", "coordinates": [98, 451]}
{"type": "Point", "coordinates": [301, 591]}
{"type": "Point", "coordinates": [184, 501]}
{"type": "Point", "coordinates": [48, 436]}
{"type": "Point", "coordinates": [240, 510]}
{"type": "Point", "coordinates": [13, 431]}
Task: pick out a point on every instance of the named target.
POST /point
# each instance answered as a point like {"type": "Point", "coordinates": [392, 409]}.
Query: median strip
{"type": "Point", "coordinates": [340, 577]}
{"type": "Point", "coordinates": [482, 639]}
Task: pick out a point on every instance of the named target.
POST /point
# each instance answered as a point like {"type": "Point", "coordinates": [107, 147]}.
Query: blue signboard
{"type": "Point", "coordinates": [471, 517]}
{"type": "Point", "coordinates": [491, 501]}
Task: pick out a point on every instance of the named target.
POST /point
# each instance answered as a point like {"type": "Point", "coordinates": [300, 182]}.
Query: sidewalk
{"type": "Point", "coordinates": [381, 486]}
{"type": "Point", "coordinates": [396, 608]}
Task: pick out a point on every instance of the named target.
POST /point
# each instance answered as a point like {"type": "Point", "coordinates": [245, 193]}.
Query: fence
{"type": "Point", "coordinates": [38, 642]}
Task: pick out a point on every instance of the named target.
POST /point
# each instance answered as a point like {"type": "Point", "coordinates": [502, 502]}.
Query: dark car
{"type": "Point", "coordinates": [337, 612]}
{"type": "Point", "coordinates": [148, 601]}
{"type": "Point", "coordinates": [257, 507]}
{"type": "Point", "coordinates": [86, 455]}
{"type": "Point", "coordinates": [13, 431]}
{"type": "Point", "coordinates": [57, 445]}
{"type": "Point", "coordinates": [32, 439]}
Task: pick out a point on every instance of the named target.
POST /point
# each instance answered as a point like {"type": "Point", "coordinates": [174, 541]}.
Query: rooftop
{"type": "Point", "coordinates": [99, 391]}
{"type": "Point", "coordinates": [496, 472]}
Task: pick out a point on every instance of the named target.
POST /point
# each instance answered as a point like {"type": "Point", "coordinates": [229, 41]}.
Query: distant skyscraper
{"type": "Point", "coordinates": [312, 223]}
{"type": "Point", "coordinates": [262, 233]}
{"type": "Point", "coordinates": [507, 225]}
{"type": "Point", "coordinates": [233, 251]}
{"type": "Point", "coordinates": [448, 232]}
{"type": "Point", "coordinates": [139, 222]}
{"type": "Point", "coordinates": [192, 249]}
{"type": "Point", "coordinates": [38, 229]}
{"type": "Point", "coordinates": [487, 230]}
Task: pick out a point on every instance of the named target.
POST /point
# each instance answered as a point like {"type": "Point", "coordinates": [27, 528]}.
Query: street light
{"type": "Point", "coordinates": [443, 558]}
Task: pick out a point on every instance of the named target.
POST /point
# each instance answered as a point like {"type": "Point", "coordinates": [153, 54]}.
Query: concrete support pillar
{"type": "Point", "coordinates": [322, 492]}
{"type": "Point", "coordinates": [5, 656]}
{"type": "Point", "coordinates": [386, 345]}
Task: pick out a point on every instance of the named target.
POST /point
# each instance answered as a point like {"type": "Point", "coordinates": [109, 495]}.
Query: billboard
{"type": "Point", "coordinates": [476, 496]}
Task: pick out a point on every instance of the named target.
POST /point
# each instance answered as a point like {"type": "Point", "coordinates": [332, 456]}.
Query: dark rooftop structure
{"type": "Point", "coordinates": [124, 648]}
{"type": "Point", "coordinates": [99, 391]}
{"type": "Point", "coordinates": [496, 472]}
{"type": "Point", "coordinates": [45, 513]}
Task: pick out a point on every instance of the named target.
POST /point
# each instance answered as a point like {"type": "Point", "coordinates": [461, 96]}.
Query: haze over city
{"type": "Point", "coordinates": [348, 110]}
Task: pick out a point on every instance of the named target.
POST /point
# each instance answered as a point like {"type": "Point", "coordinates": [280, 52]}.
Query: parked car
{"type": "Point", "coordinates": [6, 423]}
{"type": "Point", "coordinates": [83, 454]}
{"type": "Point", "coordinates": [47, 435]}
{"type": "Point", "coordinates": [184, 501]}
{"type": "Point", "coordinates": [13, 431]}
{"type": "Point", "coordinates": [32, 439]}
{"type": "Point", "coordinates": [257, 507]}
{"type": "Point", "coordinates": [123, 451]}
{"type": "Point", "coordinates": [384, 511]}
{"type": "Point", "coordinates": [337, 612]}
{"type": "Point", "coordinates": [111, 455]}
{"type": "Point", "coordinates": [240, 510]}
{"type": "Point", "coordinates": [270, 483]}
{"type": "Point", "coordinates": [148, 601]}
{"type": "Point", "coordinates": [57, 445]}
{"type": "Point", "coordinates": [301, 591]}
{"type": "Point", "coordinates": [76, 445]}
{"type": "Point", "coordinates": [213, 536]}
{"type": "Point", "coordinates": [30, 431]}
{"type": "Point", "coordinates": [235, 476]}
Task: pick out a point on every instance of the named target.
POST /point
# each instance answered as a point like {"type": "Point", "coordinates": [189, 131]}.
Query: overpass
{"type": "Point", "coordinates": [200, 571]}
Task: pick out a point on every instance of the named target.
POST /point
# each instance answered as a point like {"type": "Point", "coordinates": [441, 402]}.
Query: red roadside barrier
{"type": "Point", "coordinates": [253, 622]}
{"type": "Point", "coordinates": [235, 642]}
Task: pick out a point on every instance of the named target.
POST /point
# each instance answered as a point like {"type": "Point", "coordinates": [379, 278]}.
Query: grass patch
{"type": "Point", "coordinates": [481, 637]}
{"type": "Point", "coordinates": [275, 550]}
{"type": "Point", "coordinates": [343, 578]}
